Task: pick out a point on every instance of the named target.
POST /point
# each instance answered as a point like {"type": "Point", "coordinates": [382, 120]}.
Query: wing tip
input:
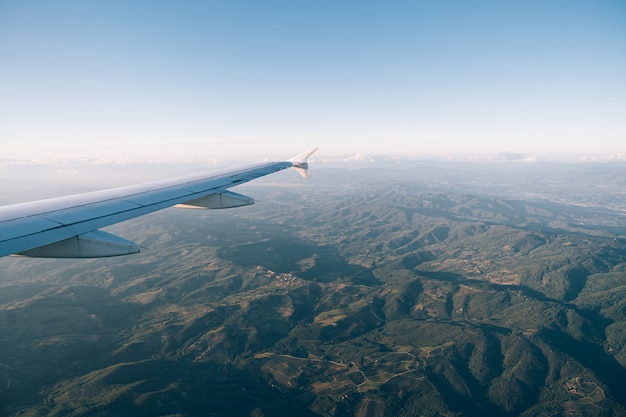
{"type": "Point", "coordinates": [300, 162]}
{"type": "Point", "coordinates": [303, 157]}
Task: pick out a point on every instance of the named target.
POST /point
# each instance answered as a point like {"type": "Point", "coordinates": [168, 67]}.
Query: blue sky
{"type": "Point", "coordinates": [195, 79]}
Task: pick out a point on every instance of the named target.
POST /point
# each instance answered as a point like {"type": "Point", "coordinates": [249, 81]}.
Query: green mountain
{"type": "Point", "coordinates": [360, 293]}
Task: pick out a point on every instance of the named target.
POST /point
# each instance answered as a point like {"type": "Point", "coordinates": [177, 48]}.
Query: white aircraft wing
{"type": "Point", "coordinates": [67, 227]}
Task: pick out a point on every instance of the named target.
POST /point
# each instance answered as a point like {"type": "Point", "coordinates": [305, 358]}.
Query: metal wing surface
{"type": "Point", "coordinates": [67, 227]}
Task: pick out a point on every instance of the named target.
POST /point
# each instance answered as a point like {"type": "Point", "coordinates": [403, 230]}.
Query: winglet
{"type": "Point", "coordinates": [300, 162]}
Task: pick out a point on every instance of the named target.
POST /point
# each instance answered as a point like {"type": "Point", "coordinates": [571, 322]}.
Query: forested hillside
{"type": "Point", "coordinates": [359, 293]}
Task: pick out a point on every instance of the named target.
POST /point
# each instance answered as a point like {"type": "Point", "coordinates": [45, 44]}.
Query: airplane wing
{"type": "Point", "coordinates": [67, 227]}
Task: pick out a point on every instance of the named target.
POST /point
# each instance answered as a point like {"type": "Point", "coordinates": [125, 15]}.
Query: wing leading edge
{"type": "Point", "coordinates": [67, 227]}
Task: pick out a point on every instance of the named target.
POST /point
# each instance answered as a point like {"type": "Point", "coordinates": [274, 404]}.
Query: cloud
{"type": "Point", "coordinates": [359, 157]}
